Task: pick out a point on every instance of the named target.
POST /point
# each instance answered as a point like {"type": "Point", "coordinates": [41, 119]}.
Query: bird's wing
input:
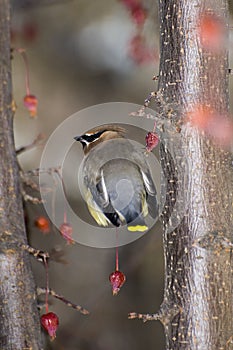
{"type": "Point", "coordinates": [151, 199]}
{"type": "Point", "coordinates": [95, 210]}
{"type": "Point", "coordinates": [96, 184]}
{"type": "Point", "coordinates": [96, 197]}
{"type": "Point", "coordinates": [99, 204]}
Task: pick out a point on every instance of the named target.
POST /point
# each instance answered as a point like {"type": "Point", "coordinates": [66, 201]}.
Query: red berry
{"type": "Point", "coordinates": [43, 224]}
{"type": "Point", "coordinates": [29, 31]}
{"type": "Point", "coordinates": [66, 232]}
{"type": "Point", "coordinates": [137, 11]}
{"type": "Point", "coordinates": [117, 279]}
{"type": "Point", "coordinates": [50, 322]}
{"type": "Point", "coordinates": [215, 125]}
{"type": "Point", "coordinates": [31, 102]}
{"type": "Point", "coordinates": [138, 14]}
{"type": "Point", "coordinates": [212, 32]}
{"type": "Point", "coordinates": [152, 139]}
{"type": "Point", "coordinates": [139, 51]}
{"type": "Point", "coordinates": [200, 116]}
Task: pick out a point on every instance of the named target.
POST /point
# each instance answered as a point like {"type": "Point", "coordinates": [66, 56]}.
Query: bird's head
{"type": "Point", "coordinates": [100, 134]}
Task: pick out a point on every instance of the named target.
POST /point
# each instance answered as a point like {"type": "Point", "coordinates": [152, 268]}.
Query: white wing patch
{"type": "Point", "coordinates": [103, 189]}
{"type": "Point", "coordinates": [148, 182]}
{"type": "Point", "coordinates": [144, 206]}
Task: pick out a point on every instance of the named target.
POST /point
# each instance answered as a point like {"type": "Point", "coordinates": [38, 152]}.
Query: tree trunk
{"type": "Point", "coordinates": [19, 319]}
{"type": "Point", "coordinates": [198, 218]}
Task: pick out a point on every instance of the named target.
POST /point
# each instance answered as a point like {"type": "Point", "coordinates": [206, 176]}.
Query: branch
{"type": "Point", "coordinates": [17, 288]}
{"type": "Point", "coordinates": [198, 219]}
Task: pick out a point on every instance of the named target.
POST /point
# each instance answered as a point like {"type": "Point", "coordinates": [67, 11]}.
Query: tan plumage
{"type": "Point", "coordinates": [118, 185]}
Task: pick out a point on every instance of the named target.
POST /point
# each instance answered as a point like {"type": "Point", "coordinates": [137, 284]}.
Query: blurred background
{"type": "Point", "coordinates": [82, 53]}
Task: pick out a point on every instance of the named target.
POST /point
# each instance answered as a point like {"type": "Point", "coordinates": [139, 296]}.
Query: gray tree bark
{"type": "Point", "coordinates": [19, 319]}
{"type": "Point", "coordinates": [198, 217]}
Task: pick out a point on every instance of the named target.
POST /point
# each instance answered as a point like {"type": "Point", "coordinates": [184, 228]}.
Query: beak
{"type": "Point", "coordinates": [78, 138]}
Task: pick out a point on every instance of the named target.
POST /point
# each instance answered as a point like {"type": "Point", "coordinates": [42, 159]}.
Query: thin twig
{"type": "Point", "coordinates": [144, 317]}
{"type": "Point", "coordinates": [40, 255]}
{"type": "Point", "coordinates": [29, 198]}
{"type": "Point", "coordinates": [38, 171]}
{"type": "Point", "coordinates": [63, 299]}
{"type": "Point", "coordinates": [149, 98]}
{"type": "Point", "coordinates": [37, 142]}
{"type": "Point", "coordinates": [29, 182]}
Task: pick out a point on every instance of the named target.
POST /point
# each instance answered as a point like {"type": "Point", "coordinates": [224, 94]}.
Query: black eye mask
{"type": "Point", "coordinates": [93, 137]}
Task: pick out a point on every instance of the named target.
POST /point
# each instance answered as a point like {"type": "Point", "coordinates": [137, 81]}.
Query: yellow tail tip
{"type": "Point", "coordinates": [137, 228]}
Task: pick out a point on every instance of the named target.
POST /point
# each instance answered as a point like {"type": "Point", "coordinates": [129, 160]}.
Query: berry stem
{"type": "Point", "coordinates": [65, 216]}
{"type": "Point", "coordinates": [154, 128]}
{"type": "Point", "coordinates": [47, 286]}
{"type": "Point", "coordinates": [25, 60]}
{"type": "Point", "coordinates": [117, 259]}
{"type": "Point", "coordinates": [117, 252]}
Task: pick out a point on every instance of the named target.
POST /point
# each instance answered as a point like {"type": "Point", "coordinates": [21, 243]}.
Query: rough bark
{"type": "Point", "coordinates": [198, 302]}
{"type": "Point", "coordinates": [19, 319]}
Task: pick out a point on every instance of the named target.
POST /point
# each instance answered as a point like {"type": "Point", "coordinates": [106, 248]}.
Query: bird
{"type": "Point", "coordinates": [118, 186]}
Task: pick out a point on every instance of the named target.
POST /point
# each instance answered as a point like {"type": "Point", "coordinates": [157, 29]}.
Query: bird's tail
{"type": "Point", "coordinates": [137, 225]}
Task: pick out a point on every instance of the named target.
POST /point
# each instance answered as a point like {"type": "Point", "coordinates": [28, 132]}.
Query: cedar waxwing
{"type": "Point", "coordinates": [117, 182]}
